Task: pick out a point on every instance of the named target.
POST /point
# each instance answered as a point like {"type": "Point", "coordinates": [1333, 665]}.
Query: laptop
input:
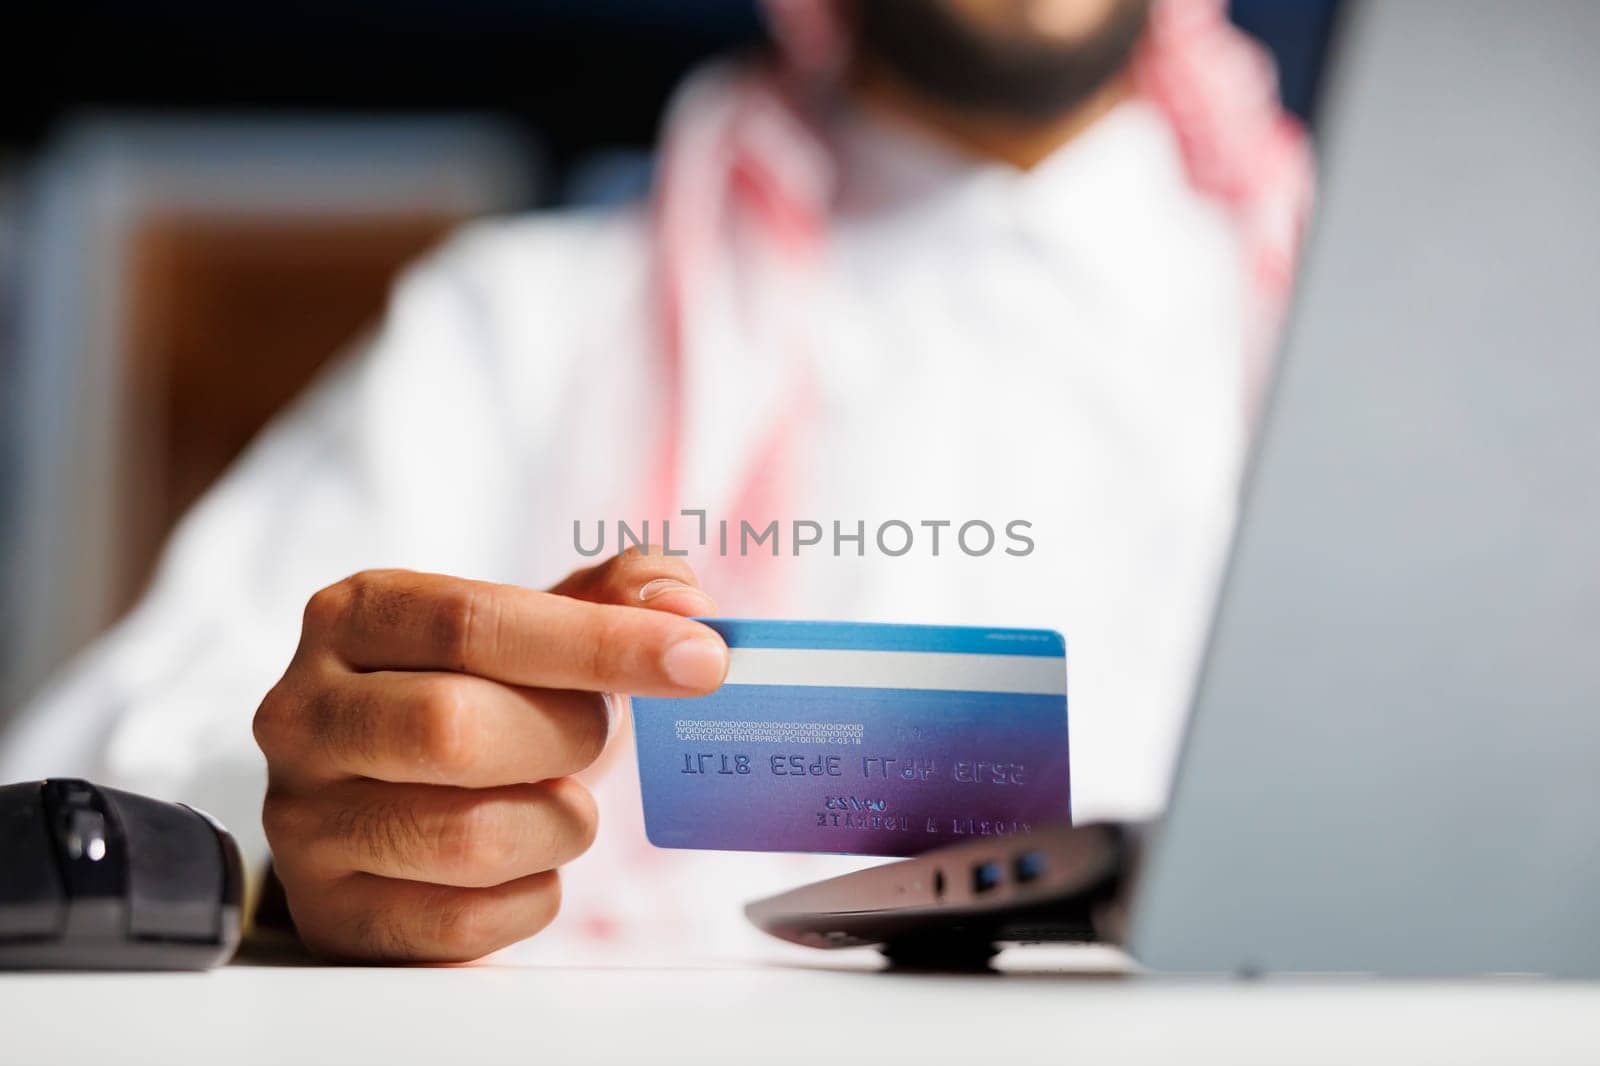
{"type": "Point", "coordinates": [1392, 762]}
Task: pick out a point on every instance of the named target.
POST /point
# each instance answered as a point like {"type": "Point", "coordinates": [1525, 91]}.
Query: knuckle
{"type": "Point", "coordinates": [378, 597]}
{"type": "Point", "coordinates": [474, 844]}
{"type": "Point", "coordinates": [588, 732]}
{"type": "Point", "coordinates": [349, 826]}
{"type": "Point", "coordinates": [269, 724]}
{"type": "Point", "coordinates": [379, 832]}
{"type": "Point", "coordinates": [341, 725]}
{"type": "Point", "coordinates": [359, 586]}
{"type": "Point", "coordinates": [545, 901]}
{"type": "Point", "coordinates": [564, 825]}
{"type": "Point", "coordinates": [464, 927]}
{"type": "Point", "coordinates": [552, 897]}
{"type": "Point", "coordinates": [320, 716]}
{"type": "Point", "coordinates": [446, 739]}
{"type": "Point", "coordinates": [384, 934]}
{"type": "Point", "coordinates": [280, 820]}
{"type": "Point", "coordinates": [455, 622]}
{"type": "Point", "coordinates": [584, 814]}
{"type": "Point", "coordinates": [327, 606]}
{"type": "Point", "coordinates": [603, 651]}
{"type": "Point", "coordinates": [624, 559]}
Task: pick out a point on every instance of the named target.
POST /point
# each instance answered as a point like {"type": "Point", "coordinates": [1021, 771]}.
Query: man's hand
{"type": "Point", "coordinates": [421, 746]}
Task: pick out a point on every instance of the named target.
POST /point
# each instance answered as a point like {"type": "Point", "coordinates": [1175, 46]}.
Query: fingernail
{"type": "Point", "coordinates": [698, 663]}
{"type": "Point", "coordinates": [615, 702]}
{"type": "Point", "coordinates": [661, 586]}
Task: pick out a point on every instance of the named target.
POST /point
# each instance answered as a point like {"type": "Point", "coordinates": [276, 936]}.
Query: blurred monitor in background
{"type": "Point", "coordinates": [931, 264]}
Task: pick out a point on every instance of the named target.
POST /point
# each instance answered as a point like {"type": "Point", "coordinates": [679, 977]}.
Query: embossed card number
{"type": "Point", "coordinates": [970, 771]}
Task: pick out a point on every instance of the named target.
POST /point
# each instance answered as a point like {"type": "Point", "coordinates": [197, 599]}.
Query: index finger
{"type": "Point", "coordinates": [399, 620]}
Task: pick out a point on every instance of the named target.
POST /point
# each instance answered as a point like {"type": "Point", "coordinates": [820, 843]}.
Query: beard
{"type": "Point", "coordinates": [1004, 73]}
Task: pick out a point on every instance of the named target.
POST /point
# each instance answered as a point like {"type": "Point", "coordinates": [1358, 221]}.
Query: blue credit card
{"type": "Point", "coordinates": [860, 738]}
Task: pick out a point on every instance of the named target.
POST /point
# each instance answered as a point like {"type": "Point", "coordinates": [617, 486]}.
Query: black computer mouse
{"type": "Point", "coordinates": [95, 878]}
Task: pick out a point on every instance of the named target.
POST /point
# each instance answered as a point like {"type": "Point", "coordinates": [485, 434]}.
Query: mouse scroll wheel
{"type": "Point", "coordinates": [85, 835]}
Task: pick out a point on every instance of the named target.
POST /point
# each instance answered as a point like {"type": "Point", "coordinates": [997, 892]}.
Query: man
{"type": "Point", "coordinates": [967, 265]}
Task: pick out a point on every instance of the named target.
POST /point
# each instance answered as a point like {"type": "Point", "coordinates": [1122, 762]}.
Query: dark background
{"type": "Point", "coordinates": [580, 74]}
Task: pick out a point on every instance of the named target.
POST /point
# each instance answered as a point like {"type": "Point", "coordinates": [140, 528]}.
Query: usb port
{"type": "Point", "coordinates": [1028, 867]}
{"type": "Point", "coordinates": [985, 876]}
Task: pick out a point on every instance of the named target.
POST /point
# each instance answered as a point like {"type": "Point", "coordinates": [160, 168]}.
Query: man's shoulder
{"type": "Point", "coordinates": [533, 296]}
{"type": "Point", "coordinates": [559, 259]}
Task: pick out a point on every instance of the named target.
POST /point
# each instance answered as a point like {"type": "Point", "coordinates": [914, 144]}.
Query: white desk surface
{"type": "Point", "coordinates": [812, 1014]}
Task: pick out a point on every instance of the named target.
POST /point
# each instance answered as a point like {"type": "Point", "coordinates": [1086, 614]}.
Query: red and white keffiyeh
{"type": "Point", "coordinates": [743, 196]}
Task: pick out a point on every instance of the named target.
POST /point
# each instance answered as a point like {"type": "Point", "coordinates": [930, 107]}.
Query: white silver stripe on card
{"type": "Point", "coordinates": [946, 671]}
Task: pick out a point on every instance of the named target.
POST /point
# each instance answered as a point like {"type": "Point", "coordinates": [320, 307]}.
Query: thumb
{"type": "Point", "coordinates": [644, 578]}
